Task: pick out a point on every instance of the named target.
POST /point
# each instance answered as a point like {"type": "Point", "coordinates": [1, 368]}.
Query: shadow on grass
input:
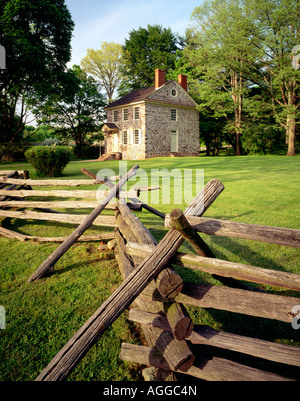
{"type": "Point", "coordinates": [247, 254]}
{"type": "Point", "coordinates": [59, 271]}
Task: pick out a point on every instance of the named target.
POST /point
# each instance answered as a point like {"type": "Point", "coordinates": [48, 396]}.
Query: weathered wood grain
{"type": "Point", "coordinates": [22, 237]}
{"type": "Point", "coordinates": [281, 353]}
{"type": "Point", "coordinates": [176, 353]}
{"type": "Point", "coordinates": [215, 369]}
{"type": "Point", "coordinates": [226, 268]}
{"type": "Point", "coordinates": [169, 283]}
{"type": "Point", "coordinates": [83, 194]}
{"type": "Point", "coordinates": [76, 204]}
{"type": "Point", "coordinates": [140, 231]}
{"type": "Point", "coordinates": [179, 320]}
{"type": "Point", "coordinates": [136, 282]}
{"type": "Point", "coordinates": [239, 301]}
{"type": "Point", "coordinates": [181, 224]}
{"type": "Point", "coordinates": [49, 182]}
{"type": "Point", "coordinates": [274, 235]}
{"type": "Point", "coordinates": [107, 221]}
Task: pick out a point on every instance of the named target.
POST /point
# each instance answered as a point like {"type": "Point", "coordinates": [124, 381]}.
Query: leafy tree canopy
{"type": "Point", "coordinates": [145, 50]}
{"type": "Point", "coordinates": [77, 111]}
{"type": "Point", "coordinates": [36, 35]}
{"type": "Point", "coordinates": [105, 65]}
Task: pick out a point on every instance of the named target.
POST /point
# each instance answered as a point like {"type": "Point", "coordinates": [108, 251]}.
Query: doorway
{"type": "Point", "coordinates": [174, 141]}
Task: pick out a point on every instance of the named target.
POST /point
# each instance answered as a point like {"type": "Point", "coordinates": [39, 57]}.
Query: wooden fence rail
{"type": "Point", "coordinates": [16, 186]}
{"type": "Point", "coordinates": [224, 268]}
{"type": "Point", "coordinates": [274, 235]}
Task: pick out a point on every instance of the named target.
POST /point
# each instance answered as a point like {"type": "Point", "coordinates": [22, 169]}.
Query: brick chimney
{"type": "Point", "coordinates": [182, 80]}
{"type": "Point", "coordinates": [160, 78]}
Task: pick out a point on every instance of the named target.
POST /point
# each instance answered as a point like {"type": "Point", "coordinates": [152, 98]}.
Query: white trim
{"type": "Point", "coordinates": [130, 136]}
{"type": "Point", "coordinates": [139, 111]}
{"type": "Point", "coordinates": [123, 114]}
{"type": "Point", "coordinates": [115, 112]}
{"type": "Point", "coordinates": [139, 137]}
{"type": "Point", "coordinates": [122, 133]}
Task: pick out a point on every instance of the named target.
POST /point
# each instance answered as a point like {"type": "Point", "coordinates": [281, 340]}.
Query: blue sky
{"type": "Point", "coordinates": [112, 20]}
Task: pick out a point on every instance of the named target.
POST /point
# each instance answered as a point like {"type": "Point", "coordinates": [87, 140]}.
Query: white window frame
{"type": "Point", "coordinates": [123, 137]}
{"type": "Point", "coordinates": [139, 137]}
{"type": "Point", "coordinates": [136, 112]}
{"type": "Point", "coordinates": [127, 116]}
{"type": "Point", "coordinates": [115, 116]}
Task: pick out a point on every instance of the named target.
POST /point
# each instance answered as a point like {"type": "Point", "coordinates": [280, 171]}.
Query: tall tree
{"type": "Point", "coordinates": [217, 50]}
{"type": "Point", "coordinates": [275, 33]}
{"type": "Point", "coordinates": [76, 111]}
{"type": "Point", "coordinates": [145, 50]}
{"type": "Point", "coordinates": [105, 65]}
{"type": "Point", "coordinates": [36, 35]}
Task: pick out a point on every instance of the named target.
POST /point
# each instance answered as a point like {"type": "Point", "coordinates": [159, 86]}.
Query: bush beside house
{"type": "Point", "coordinates": [49, 161]}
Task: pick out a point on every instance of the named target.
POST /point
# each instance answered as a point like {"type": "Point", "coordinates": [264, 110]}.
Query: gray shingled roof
{"type": "Point", "coordinates": [111, 126]}
{"type": "Point", "coordinates": [137, 95]}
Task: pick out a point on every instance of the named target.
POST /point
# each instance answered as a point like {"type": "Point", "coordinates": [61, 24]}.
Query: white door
{"type": "Point", "coordinates": [174, 141]}
{"type": "Point", "coordinates": [116, 143]}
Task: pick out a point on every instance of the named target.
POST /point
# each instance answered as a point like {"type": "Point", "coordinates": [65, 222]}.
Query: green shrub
{"type": "Point", "coordinates": [49, 161]}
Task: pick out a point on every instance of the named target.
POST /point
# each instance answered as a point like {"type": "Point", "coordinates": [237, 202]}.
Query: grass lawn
{"type": "Point", "coordinates": [42, 316]}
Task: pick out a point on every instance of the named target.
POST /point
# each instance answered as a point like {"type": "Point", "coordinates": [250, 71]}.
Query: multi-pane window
{"type": "Point", "coordinates": [136, 113]}
{"type": "Point", "coordinates": [173, 115]}
{"type": "Point", "coordinates": [116, 115]}
{"type": "Point", "coordinates": [125, 137]}
{"type": "Point", "coordinates": [137, 137]}
{"type": "Point", "coordinates": [125, 114]}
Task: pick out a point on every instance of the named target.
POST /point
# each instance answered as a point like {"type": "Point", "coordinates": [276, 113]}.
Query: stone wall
{"type": "Point", "coordinates": [130, 151]}
{"type": "Point", "coordinates": [165, 94]}
{"type": "Point", "coordinates": [159, 127]}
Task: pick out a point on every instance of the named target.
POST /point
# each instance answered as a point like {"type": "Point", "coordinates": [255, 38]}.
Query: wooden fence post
{"type": "Point", "coordinates": [180, 223]}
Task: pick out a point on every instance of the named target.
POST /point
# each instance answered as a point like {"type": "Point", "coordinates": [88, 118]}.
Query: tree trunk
{"type": "Point", "coordinates": [236, 87]}
{"type": "Point", "coordinates": [291, 134]}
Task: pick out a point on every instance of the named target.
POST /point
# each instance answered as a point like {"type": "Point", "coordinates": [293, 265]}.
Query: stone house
{"type": "Point", "coordinates": [161, 120]}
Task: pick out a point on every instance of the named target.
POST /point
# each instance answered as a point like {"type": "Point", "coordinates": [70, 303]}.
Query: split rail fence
{"type": "Point", "coordinates": [159, 298]}
{"type": "Point", "coordinates": [16, 188]}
